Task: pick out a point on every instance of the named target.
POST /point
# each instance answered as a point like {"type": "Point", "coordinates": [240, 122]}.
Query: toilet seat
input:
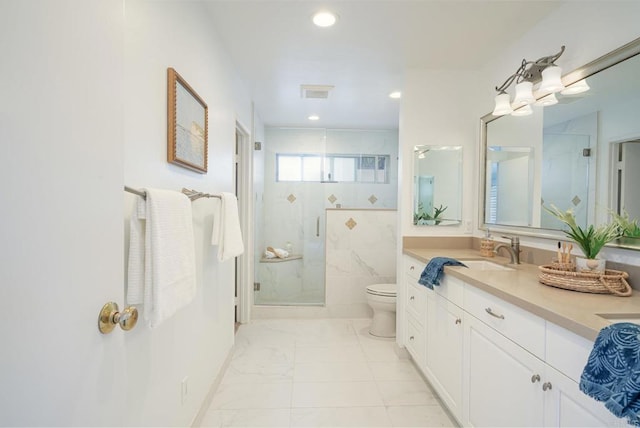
{"type": "Point", "coordinates": [384, 290]}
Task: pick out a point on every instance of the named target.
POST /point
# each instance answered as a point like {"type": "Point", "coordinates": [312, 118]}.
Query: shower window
{"type": "Point", "coordinates": [334, 167]}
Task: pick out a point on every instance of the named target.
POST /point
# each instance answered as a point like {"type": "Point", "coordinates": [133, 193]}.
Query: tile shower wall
{"type": "Point", "coordinates": [295, 211]}
{"type": "Point", "coordinates": [361, 250]}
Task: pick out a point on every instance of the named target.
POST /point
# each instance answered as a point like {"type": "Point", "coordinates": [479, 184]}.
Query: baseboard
{"type": "Point", "coordinates": [197, 421]}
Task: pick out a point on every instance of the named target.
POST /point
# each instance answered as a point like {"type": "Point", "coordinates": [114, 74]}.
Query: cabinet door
{"type": "Point", "coordinates": [416, 340]}
{"type": "Point", "coordinates": [502, 381]}
{"type": "Point", "coordinates": [444, 350]}
{"type": "Point", "coordinates": [566, 406]}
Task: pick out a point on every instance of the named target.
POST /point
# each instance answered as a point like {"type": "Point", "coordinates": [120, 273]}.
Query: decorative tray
{"type": "Point", "coordinates": [609, 282]}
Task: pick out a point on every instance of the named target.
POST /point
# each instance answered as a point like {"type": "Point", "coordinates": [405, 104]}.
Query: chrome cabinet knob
{"type": "Point", "coordinates": [458, 321]}
{"type": "Point", "coordinates": [535, 378]}
{"type": "Point", "coordinates": [546, 386]}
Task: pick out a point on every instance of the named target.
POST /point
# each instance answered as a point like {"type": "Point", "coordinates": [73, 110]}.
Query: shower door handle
{"type": "Point", "coordinates": [318, 226]}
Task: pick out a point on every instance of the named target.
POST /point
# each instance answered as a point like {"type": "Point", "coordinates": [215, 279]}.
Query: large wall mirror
{"type": "Point", "coordinates": [437, 185]}
{"type": "Point", "coordinates": [582, 153]}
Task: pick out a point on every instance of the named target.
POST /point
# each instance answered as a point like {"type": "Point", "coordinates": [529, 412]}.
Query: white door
{"type": "Point", "coordinates": [61, 227]}
{"type": "Point", "coordinates": [444, 353]}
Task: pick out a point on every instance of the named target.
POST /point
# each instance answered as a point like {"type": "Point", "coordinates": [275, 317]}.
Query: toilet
{"type": "Point", "coordinates": [382, 299]}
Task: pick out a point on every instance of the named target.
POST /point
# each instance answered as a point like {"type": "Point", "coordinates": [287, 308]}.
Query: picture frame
{"type": "Point", "coordinates": [187, 125]}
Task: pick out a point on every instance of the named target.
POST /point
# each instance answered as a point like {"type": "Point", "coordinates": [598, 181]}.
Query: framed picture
{"type": "Point", "coordinates": [187, 125]}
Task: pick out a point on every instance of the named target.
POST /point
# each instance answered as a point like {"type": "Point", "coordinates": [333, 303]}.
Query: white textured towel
{"type": "Point", "coordinates": [226, 228]}
{"type": "Point", "coordinates": [162, 270]}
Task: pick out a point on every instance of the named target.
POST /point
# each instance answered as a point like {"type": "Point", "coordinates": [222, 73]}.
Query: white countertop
{"type": "Point", "coordinates": [575, 311]}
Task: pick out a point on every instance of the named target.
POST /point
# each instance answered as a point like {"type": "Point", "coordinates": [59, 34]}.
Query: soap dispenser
{"type": "Point", "coordinates": [487, 245]}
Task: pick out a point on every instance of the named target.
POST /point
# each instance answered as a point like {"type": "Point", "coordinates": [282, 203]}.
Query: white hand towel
{"type": "Point", "coordinates": [135, 285]}
{"type": "Point", "coordinates": [167, 282]}
{"type": "Point", "coordinates": [226, 228]}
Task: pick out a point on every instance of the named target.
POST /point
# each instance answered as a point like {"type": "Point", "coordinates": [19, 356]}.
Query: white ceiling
{"type": "Point", "coordinates": [276, 48]}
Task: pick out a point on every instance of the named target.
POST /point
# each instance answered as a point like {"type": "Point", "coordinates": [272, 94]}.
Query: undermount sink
{"type": "Point", "coordinates": [484, 265]}
{"type": "Point", "coordinates": [615, 318]}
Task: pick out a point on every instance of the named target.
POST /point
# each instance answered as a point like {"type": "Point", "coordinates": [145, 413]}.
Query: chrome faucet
{"type": "Point", "coordinates": [514, 249]}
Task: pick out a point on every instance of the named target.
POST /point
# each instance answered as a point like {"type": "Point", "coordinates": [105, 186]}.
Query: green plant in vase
{"type": "Point", "coordinates": [590, 240]}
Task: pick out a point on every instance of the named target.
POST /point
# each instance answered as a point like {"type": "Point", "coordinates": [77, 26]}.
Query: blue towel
{"type": "Point", "coordinates": [612, 373]}
{"type": "Point", "coordinates": [435, 268]}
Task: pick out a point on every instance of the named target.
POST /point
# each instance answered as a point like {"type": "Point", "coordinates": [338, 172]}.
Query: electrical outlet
{"type": "Point", "coordinates": [184, 389]}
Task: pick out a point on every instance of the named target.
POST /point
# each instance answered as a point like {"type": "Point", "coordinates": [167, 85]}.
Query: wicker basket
{"type": "Point", "coordinates": [609, 282]}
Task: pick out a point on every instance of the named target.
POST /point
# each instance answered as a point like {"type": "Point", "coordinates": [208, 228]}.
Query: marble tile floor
{"type": "Point", "coordinates": [320, 373]}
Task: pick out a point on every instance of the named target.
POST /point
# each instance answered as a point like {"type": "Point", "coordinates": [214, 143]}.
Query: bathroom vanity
{"type": "Point", "coordinates": [501, 349]}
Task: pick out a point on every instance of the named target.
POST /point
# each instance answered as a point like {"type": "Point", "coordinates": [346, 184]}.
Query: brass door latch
{"type": "Point", "coordinates": [110, 316]}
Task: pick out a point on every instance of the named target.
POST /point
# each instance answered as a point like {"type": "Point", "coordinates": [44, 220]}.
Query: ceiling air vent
{"type": "Point", "coordinates": [315, 91]}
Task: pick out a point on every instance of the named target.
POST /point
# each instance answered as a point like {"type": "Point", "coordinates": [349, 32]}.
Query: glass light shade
{"type": "Point", "coordinates": [576, 88]}
{"type": "Point", "coordinates": [524, 94]}
{"type": "Point", "coordinates": [324, 19]}
{"type": "Point", "coordinates": [503, 105]}
{"type": "Point", "coordinates": [551, 80]}
{"type": "Point", "coordinates": [547, 100]}
{"type": "Point", "coordinates": [525, 110]}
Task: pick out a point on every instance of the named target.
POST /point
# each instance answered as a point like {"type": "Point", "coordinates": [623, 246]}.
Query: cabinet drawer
{"type": "Point", "coordinates": [451, 289]}
{"type": "Point", "coordinates": [413, 268]}
{"type": "Point", "coordinates": [415, 340]}
{"type": "Point", "coordinates": [416, 300]}
{"type": "Point", "coordinates": [566, 351]}
{"type": "Point", "coordinates": [520, 326]}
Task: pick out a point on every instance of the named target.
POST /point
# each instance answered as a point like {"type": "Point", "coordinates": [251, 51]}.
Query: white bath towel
{"type": "Point", "coordinates": [162, 273]}
{"type": "Point", "coordinates": [226, 228]}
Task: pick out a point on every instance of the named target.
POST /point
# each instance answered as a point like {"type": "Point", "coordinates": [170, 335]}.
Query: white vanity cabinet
{"type": "Point", "coordinates": [514, 363]}
{"type": "Point", "coordinates": [434, 334]}
{"type": "Point", "coordinates": [493, 363]}
{"type": "Point", "coordinates": [415, 316]}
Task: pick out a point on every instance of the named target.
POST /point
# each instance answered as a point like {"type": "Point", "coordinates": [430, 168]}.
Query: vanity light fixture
{"type": "Point", "coordinates": [576, 88]}
{"type": "Point", "coordinates": [324, 19]}
{"type": "Point", "coordinates": [525, 110]}
{"type": "Point", "coordinates": [524, 77]}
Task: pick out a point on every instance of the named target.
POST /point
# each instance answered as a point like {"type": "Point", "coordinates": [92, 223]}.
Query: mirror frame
{"type": "Point", "coordinates": [610, 59]}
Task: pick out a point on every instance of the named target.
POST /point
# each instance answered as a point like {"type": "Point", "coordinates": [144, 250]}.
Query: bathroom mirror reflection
{"type": "Point", "coordinates": [437, 180]}
{"type": "Point", "coordinates": [579, 153]}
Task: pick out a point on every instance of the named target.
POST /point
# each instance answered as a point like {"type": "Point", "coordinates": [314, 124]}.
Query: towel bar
{"type": "Point", "coordinates": [191, 194]}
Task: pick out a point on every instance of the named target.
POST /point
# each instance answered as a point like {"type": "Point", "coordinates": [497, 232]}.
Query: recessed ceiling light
{"type": "Point", "coordinates": [314, 117]}
{"type": "Point", "coordinates": [324, 18]}
{"type": "Point", "coordinates": [395, 95]}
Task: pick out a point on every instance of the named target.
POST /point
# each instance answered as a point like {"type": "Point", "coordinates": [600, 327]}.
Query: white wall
{"type": "Point", "coordinates": [358, 257]}
{"type": "Point", "coordinates": [438, 109]}
{"type": "Point", "coordinates": [196, 341]}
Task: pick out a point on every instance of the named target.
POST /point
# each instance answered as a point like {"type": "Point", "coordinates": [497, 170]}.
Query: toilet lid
{"type": "Point", "coordinates": [388, 290]}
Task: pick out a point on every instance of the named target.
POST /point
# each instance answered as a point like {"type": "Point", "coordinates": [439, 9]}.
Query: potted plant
{"type": "Point", "coordinates": [590, 240]}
